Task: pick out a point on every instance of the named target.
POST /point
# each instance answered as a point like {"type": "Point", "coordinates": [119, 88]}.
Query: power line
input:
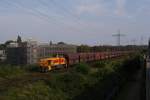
{"type": "Point", "coordinates": [69, 12]}
{"type": "Point", "coordinates": [30, 11]}
{"type": "Point", "coordinates": [75, 18]}
{"type": "Point", "coordinates": [66, 10]}
{"type": "Point", "coordinates": [69, 27]}
{"type": "Point", "coordinates": [35, 11]}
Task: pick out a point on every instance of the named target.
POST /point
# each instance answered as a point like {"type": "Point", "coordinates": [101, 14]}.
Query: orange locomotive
{"type": "Point", "coordinates": [47, 64]}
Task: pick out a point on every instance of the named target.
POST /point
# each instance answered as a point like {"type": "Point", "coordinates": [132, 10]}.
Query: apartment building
{"type": "Point", "coordinates": [23, 53]}
{"type": "Point", "coordinates": [2, 55]}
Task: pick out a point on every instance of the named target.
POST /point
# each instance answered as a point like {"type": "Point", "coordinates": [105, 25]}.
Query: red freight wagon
{"type": "Point", "coordinates": [98, 56]}
{"type": "Point", "coordinates": [103, 55]}
{"type": "Point", "coordinates": [83, 57]}
{"type": "Point", "coordinates": [73, 58]}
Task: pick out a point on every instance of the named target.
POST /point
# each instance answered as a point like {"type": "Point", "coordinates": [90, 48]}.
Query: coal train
{"type": "Point", "coordinates": [47, 64]}
{"type": "Point", "coordinates": [87, 57]}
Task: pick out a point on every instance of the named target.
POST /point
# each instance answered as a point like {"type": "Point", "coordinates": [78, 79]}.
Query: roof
{"type": "Point", "coordinates": [53, 58]}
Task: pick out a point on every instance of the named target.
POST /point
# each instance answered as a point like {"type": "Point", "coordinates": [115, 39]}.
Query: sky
{"type": "Point", "coordinates": [91, 22]}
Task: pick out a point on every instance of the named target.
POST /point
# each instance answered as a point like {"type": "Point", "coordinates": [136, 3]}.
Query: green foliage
{"type": "Point", "coordinates": [83, 48]}
{"type": "Point", "coordinates": [82, 68]}
{"type": "Point", "coordinates": [61, 43]}
{"type": "Point", "coordinates": [2, 46]}
{"type": "Point", "coordinates": [111, 77]}
{"type": "Point", "coordinates": [31, 68]}
{"type": "Point", "coordinates": [8, 42]}
{"type": "Point", "coordinates": [35, 91]}
{"type": "Point", "coordinates": [132, 64]}
{"type": "Point", "coordinates": [10, 71]}
{"type": "Point", "coordinates": [99, 64]}
{"type": "Point", "coordinates": [72, 84]}
{"type": "Point", "coordinates": [103, 72]}
{"type": "Point", "coordinates": [75, 84]}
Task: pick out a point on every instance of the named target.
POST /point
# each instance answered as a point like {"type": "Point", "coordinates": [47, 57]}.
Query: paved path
{"type": "Point", "coordinates": [132, 90]}
{"type": "Point", "coordinates": [148, 80]}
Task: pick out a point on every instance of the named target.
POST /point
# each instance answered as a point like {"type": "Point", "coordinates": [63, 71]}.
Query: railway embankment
{"type": "Point", "coordinates": [135, 88]}
{"type": "Point", "coordinates": [100, 80]}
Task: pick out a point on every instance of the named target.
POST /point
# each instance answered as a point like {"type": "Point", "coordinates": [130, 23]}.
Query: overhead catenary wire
{"type": "Point", "coordinates": [77, 18]}
{"type": "Point", "coordinates": [44, 16]}
{"type": "Point", "coordinates": [69, 12]}
{"type": "Point", "coordinates": [33, 12]}
{"type": "Point", "coordinates": [65, 12]}
{"type": "Point", "coordinates": [26, 10]}
{"type": "Point", "coordinates": [40, 14]}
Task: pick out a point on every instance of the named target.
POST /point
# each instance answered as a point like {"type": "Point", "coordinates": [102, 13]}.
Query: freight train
{"type": "Point", "coordinates": [47, 64]}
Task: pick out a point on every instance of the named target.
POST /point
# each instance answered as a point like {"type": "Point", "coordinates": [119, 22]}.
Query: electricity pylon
{"type": "Point", "coordinates": [118, 35]}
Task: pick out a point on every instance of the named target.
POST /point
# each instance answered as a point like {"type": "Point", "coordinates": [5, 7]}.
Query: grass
{"type": "Point", "coordinates": [8, 71]}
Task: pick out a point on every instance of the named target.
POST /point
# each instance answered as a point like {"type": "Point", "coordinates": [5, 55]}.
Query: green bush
{"type": "Point", "coordinates": [11, 71]}
{"type": "Point", "coordinates": [31, 68]}
{"type": "Point", "coordinates": [82, 68]}
{"type": "Point", "coordinates": [103, 72]}
{"type": "Point", "coordinates": [131, 65]}
{"type": "Point", "coordinates": [34, 91]}
{"type": "Point", "coordinates": [71, 84]}
{"type": "Point", "coordinates": [99, 64]}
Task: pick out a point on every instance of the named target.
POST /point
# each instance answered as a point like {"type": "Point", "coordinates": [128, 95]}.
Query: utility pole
{"type": "Point", "coordinates": [149, 48]}
{"type": "Point", "coordinates": [141, 42]}
{"type": "Point", "coordinates": [118, 35]}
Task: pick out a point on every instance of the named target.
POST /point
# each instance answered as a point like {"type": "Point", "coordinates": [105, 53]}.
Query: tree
{"type": "Point", "coordinates": [83, 48]}
{"type": "Point", "coordinates": [8, 42]}
{"type": "Point", "coordinates": [2, 46]}
{"type": "Point", "coordinates": [50, 42]}
{"type": "Point", "coordinates": [61, 43]}
{"type": "Point", "coordinates": [19, 40]}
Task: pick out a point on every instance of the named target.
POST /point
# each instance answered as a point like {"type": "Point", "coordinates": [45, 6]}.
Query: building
{"type": "Point", "coordinates": [48, 50]}
{"type": "Point", "coordinates": [23, 53]}
{"type": "Point", "coordinates": [2, 55]}
{"type": "Point", "coordinates": [30, 52]}
{"type": "Point", "coordinates": [16, 55]}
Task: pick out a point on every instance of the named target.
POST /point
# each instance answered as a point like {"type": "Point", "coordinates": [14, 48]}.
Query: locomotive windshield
{"type": "Point", "coordinates": [49, 62]}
